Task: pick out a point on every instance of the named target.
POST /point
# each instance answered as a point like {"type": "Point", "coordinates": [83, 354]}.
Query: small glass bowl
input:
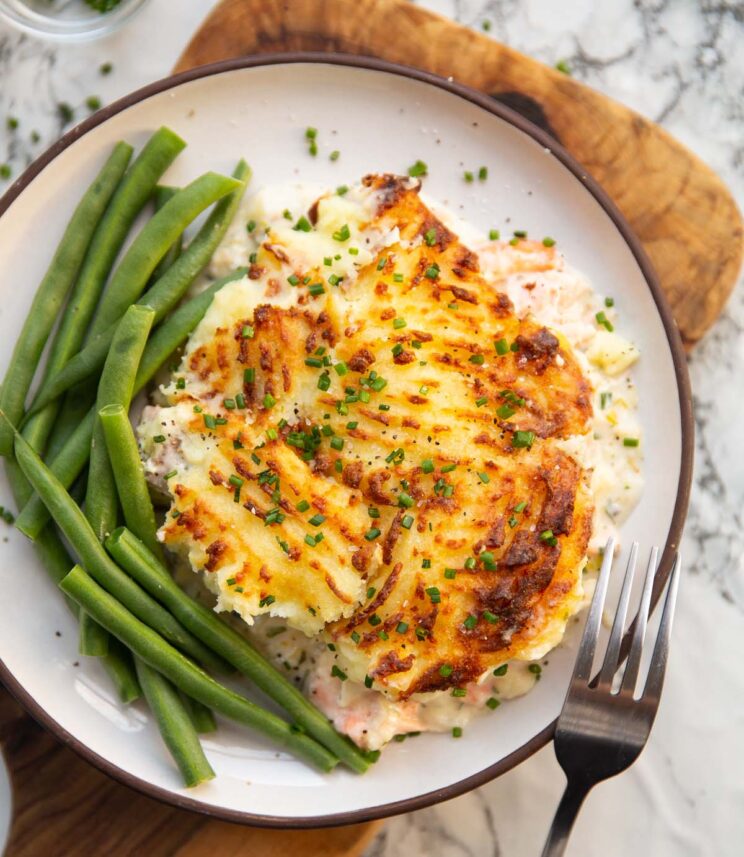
{"type": "Point", "coordinates": [66, 20]}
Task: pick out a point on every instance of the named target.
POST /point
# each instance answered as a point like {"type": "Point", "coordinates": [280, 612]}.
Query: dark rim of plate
{"type": "Point", "coordinates": [675, 346]}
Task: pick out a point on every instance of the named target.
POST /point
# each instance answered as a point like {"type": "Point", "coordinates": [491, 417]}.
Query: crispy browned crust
{"type": "Point", "coordinates": [446, 388]}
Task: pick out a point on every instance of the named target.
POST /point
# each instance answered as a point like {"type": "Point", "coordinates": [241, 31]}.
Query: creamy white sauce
{"type": "Point", "coordinates": [561, 298]}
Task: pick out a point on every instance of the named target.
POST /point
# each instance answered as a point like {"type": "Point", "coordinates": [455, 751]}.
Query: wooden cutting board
{"type": "Point", "coordinates": [689, 225]}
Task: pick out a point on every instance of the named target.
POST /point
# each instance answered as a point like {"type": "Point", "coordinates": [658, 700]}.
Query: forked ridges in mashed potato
{"type": "Point", "coordinates": [399, 443]}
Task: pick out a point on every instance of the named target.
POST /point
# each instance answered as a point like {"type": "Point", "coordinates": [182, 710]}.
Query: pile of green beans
{"type": "Point", "coordinates": [69, 461]}
{"type": "Point", "coordinates": [132, 555]}
{"type": "Point", "coordinates": [76, 438]}
{"type": "Point", "coordinates": [132, 274]}
{"type": "Point", "coordinates": [150, 647]}
{"type": "Point", "coordinates": [114, 388]}
{"type": "Point", "coordinates": [53, 290]}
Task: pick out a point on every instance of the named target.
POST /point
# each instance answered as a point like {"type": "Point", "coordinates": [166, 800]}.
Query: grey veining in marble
{"type": "Point", "coordinates": [680, 63]}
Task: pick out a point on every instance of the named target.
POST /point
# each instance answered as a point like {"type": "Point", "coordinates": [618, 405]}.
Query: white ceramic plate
{"type": "Point", "coordinates": [381, 119]}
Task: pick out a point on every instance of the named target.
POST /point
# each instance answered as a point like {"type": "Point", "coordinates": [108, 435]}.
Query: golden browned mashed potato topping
{"type": "Point", "coordinates": [365, 439]}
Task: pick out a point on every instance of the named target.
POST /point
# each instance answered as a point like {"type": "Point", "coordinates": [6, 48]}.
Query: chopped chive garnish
{"type": "Point", "coordinates": [316, 289]}
{"type": "Point", "coordinates": [293, 279]}
{"type": "Point", "coordinates": [337, 443]}
{"type": "Point", "coordinates": [499, 671]}
{"type": "Point", "coordinates": [425, 563]}
{"type": "Point", "coordinates": [501, 346]}
{"type": "Point", "coordinates": [406, 522]}
{"type": "Point", "coordinates": [370, 592]}
{"type": "Point", "coordinates": [470, 562]}
{"type": "Point", "coordinates": [604, 400]}
{"type": "Point", "coordinates": [478, 359]}
{"type": "Point", "coordinates": [269, 401]}
{"type": "Point", "coordinates": [303, 225]}
{"type": "Point", "coordinates": [374, 620]}
{"type": "Point", "coordinates": [381, 263]}
{"type": "Point", "coordinates": [484, 477]}
{"type": "Point", "coordinates": [432, 272]}
{"type": "Point", "coordinates": [458, 691]}
{"type": "Point", "coordinates": [434, 594]}
{"type": "Point", "coordinates": [609, 302]}
{"type": "Point", "coordinates": [494, 234]}
{"type": "Point", "coordinates": [316, 520]}
{"type": "Point", "coordinates": [491, 618]}
{"type": "Point", "coordinates": [368, 681]}
{"type": "Point", "coordinates": [342, 234]}
{"type": "Point", "coordinates": [549, 242]}
{"type": "Point", "coordinates": [417, 169]}
{"type": "Point", "coordinates": [249, 375]}
{"type": "Point", "coordinates": [450, 573]}
{"type": "Point", "coordinates": [324, 382]}
{"type": "Point", "coordinates": [399, 323]}
{"type": "Point", "coordinates": [604, 321]}
{"type": "Point", "coordinates": [372, 534]}
{"type": "Point", "coordinates": [401, 627]}
{"type": "Point", "coordinates": [247, 332]}
{"type": "Point", "coordinates": [352, 425]}
{"type": "Point", "coordinates": [523, 439]}
{"type": "Point", "coordinates": [250, 226]}
{"type": "Point", "coordinates": [397, 278]}
{"type": "Point", "coordinates": [470, 622]}
{"type": "Point", "coordinates": [493, 703]}
{"type": "Point", "coordinates": [373, 512]}
{"type": "Point", "coordinates": [505, 411]}
{"type": "Point", "coordinates": [630, 441]}
{"type": "Point", "coordinates": [430, 237]}
{"type": "Point", "coordinates": [427, 465]}
{"type": "Point", "coordinates": [170, 474]}
{"type": "Point", "coordinates": [483, 174]}
{"type": "Point", "coordinates": [483, 400]}
{"type": "Point", "coordinates": [520, 233]}
{"type": "Point", "coordinates": [355, 637]}
{"type": "Point", "coordinates": [535, 669]}
{"type": "Point", "coordinates": [335, 155]}
{"type": "Point", "coordinates": [468, 176]}
{"type": "Point", "coordinates": [448, 468]}
{"type": "Point", "coordinates": [209, 421]}
{"type": "Point", "coordinates": [338, 673]}
{"type": "Point", "coordinates": [302, 506]}
{"type": "Point", "coordinates": [457, 730]}
{"type": "Point", "coordinates": [405, 500]}
{"type": "Point", "coordinates": [341, 368]}
{"type": "Point", "coordinates": [445, 670]}
{"type": "Point", "coordinates": [159, 438]}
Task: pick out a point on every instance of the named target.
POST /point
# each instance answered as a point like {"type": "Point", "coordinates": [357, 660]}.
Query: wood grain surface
{"type": "Point", "coordinates": [684, 215]}
{"type": "Point", "coordinates": [63, 807]}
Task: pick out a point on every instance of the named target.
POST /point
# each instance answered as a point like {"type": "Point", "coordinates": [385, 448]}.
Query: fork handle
{"type": "Point", "coordinates": [565, 816]}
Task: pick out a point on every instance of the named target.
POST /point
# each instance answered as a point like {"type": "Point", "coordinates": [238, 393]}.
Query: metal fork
{"type": "Point", "coordinates": [602, 728]}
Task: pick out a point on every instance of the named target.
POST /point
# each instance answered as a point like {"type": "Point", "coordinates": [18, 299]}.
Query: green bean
{"type": "Point", "coordinates": [67, 465]}
{"type": "Point", "coordinates": [93, 640]}
{"type": "Point", "coordinates": [76, 316]}
{"type": "Point", "coordinates": [115, 388]}
{"type": "Point", "coordinates": [160, 196]}
{"type": "Point", "coordinates": [172, 333]}
{"type": "Point", "coordinates": [148, 248]}
{"type": "Point", "coordinates": [119, 664]}
{"type": "Point", "coordinates": [53, 290]}
{"type": "Point", "coordinates": [175, 726]}
{"type": "Point", "coordinates": [200, 715]}
{"type": "Point", "coordinates": [162, 297]}
{"type": "Point", "coordinates": [74, 525]}
{"type": "Point", "coordinates": [57, 562]}
{"type": "Point", "coordinates": [133, 192]}
{"type": "Point", "coordinates": [183, 673]}
{"type": "Point", "coordinates": [129, 475]}
{"type": "Point", "coordinates": [131, 555]}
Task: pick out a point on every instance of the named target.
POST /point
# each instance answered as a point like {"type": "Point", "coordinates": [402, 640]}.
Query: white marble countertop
{"type": "Point", "coordinates": [680, 63]}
